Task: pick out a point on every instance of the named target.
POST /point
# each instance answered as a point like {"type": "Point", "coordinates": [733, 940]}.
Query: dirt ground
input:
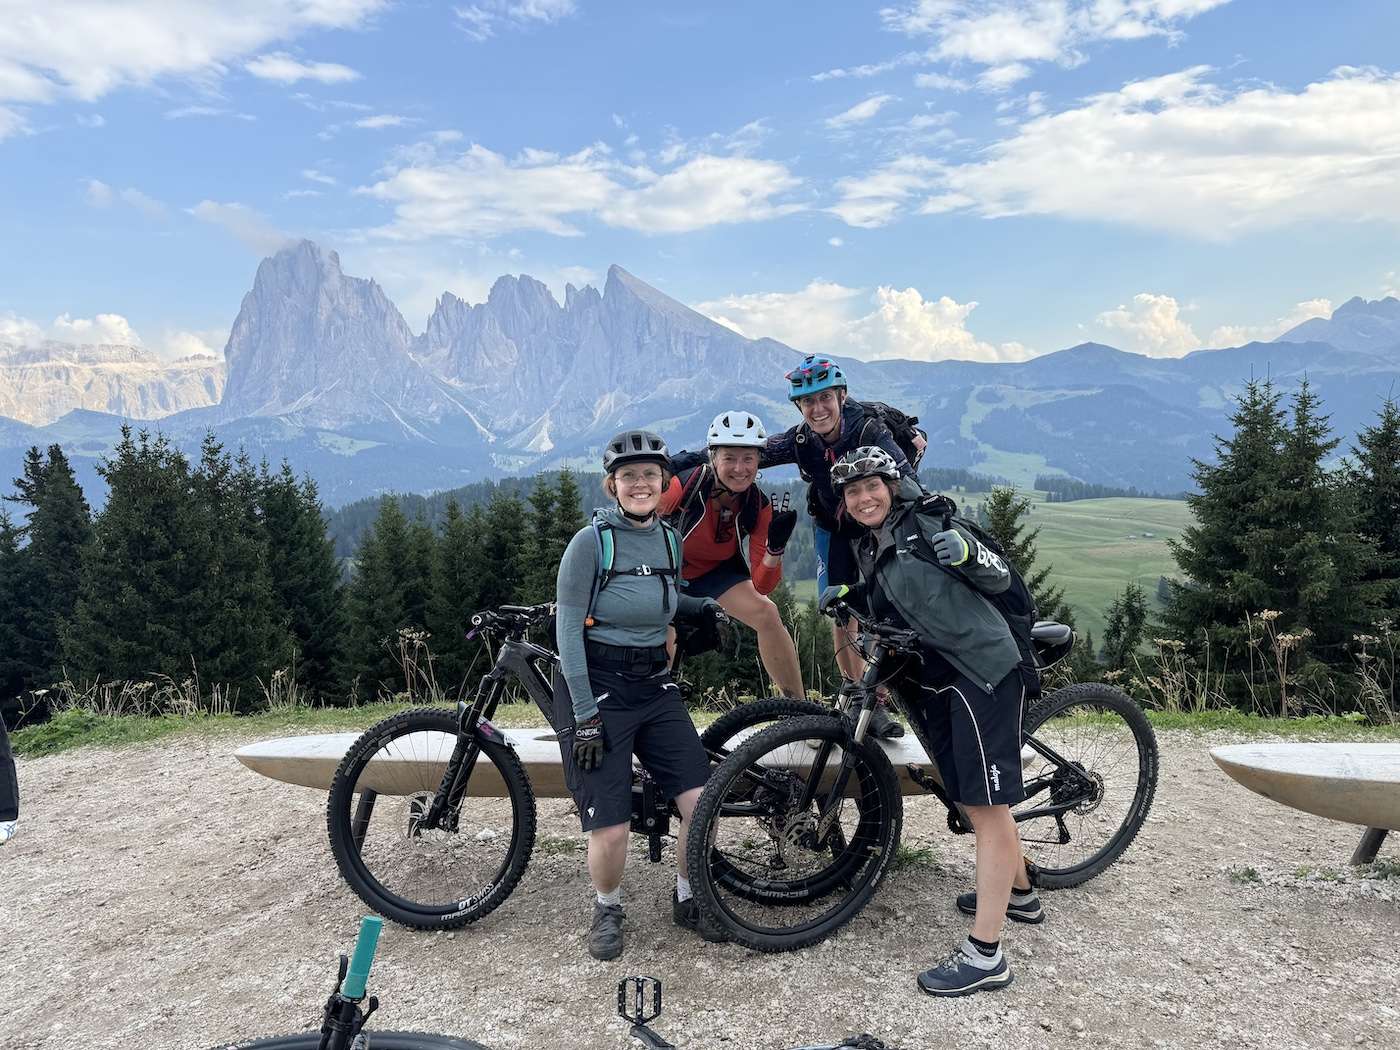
{"type": "Point", "coordinates": [166, 898]}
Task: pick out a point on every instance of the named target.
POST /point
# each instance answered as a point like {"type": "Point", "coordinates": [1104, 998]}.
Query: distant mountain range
{"type": "Point", "coordinates": [324, 371]}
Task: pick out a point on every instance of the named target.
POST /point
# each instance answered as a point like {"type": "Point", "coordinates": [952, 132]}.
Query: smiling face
{"type": "Point", "coordinates": [868, 500]}
{"type": "Point", "coordinates": [822, 411]}
{"type": "Point", "coordinates": [637, 487]}
{"type": "Point", "coordinates": [736, 468]}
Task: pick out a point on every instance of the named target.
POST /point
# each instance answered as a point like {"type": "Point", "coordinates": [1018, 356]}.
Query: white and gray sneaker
{"type": "Point", "coordinates": [965, 971]}
{"type": "Point", "coordinates": [1024, 906]}
{"type": "Point", "coordinates": [7, 830]}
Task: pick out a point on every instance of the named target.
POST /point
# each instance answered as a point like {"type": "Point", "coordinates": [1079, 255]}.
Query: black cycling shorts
{"type": "Point", "coordinates": [973, 736]}
{"type": "Point", "coordinates": [642, 715]}
{"type": "Point", "coordinates": [718, 580]}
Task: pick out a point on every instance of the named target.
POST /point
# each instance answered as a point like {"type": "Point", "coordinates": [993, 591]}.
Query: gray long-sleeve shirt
{"type": "Point", "coordinates": [629, 611]}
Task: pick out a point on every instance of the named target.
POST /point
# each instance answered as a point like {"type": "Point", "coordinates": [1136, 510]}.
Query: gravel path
{"type": "Point", "coordinates": [164, 897]}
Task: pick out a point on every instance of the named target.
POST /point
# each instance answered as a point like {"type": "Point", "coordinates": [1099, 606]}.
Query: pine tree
{"type": "Point", "coordinates": [456, 585]}
{"type": "Point", "coordinates": [59, 527]}
{"type": "Point", "coordinates": [568, 511]}
{"type": "Point", "coordinates": [15, 671]}
{"type": "Point", "coordinates": [506, 551]}
{"type": "Point", "coordinates": [377, 602]}
{"type": "Point", "coordinates": [139, 586]}
{"type": "Point", "coordinates": [1127, 623]}
{"type": "Point", "coordinates": [1004, 511]}
{"type": "Point", "coordinates": [539, 584]}
{"type": "Point", "coordinates": [1374, 479]}
{"type": "Point", "coordinates": [305, 578]}
{"type": "Point", "coordinates": [1227, 572]}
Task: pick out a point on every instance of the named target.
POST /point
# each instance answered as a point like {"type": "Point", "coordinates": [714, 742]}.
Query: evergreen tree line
{"type": "Point", "coordinates": [1060, 489]}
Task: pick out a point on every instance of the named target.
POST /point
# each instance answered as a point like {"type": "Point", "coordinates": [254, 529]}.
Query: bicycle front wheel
{"type": "Point", "coordinates": [376, 1040]}
{"type": "Point", "coordinates": [780, 870]}
{"type": "Point", "coordinates": [439, 877]}
{"type": "Point", "coordinates": [1103, 786]}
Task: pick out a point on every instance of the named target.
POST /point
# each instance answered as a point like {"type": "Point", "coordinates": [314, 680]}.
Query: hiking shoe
{"type": "Point", "coordinates": [882, 725]}
{"type": "Point", "coordinates": [966, 971]}
{"type": "Point", "coordinates": [7, 830]}
{"type": "Point", "coordinates": [1025, 910]}
{"type": "Point", "coordinates": [605, 938]}
{"type": "Point", "coordinates": [688, 915]}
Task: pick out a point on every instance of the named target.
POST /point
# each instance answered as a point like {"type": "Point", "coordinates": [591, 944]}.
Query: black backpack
{"type": "Point", "coordinates": [1016, 604]}
{"type": "Point", "coordinates": [902, 427]}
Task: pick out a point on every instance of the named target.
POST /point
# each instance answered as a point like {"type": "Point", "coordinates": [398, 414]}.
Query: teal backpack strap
{"type": "Point", "coordinates": [606, 551]}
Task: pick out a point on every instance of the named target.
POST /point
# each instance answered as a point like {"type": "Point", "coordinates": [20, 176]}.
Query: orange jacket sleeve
{"type": "Point", "coordinates": [670, 499]}
{"type": "Point", "coordinates": [765, 579]}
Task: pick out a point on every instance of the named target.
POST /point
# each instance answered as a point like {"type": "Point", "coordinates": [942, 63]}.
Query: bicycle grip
{"type": "Point", "coordinates": [363, 959]}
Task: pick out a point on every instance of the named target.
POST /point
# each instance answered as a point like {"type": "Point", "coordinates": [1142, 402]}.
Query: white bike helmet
{"type": "Point", "coordinates": [736, 429]}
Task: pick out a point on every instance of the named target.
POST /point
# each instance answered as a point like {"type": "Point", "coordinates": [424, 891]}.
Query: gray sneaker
{"type": "Point", "coordinates": [965, 972]}
{"type": "Point", "coordinates": [688, 915]}
{"type": "Point", "coordinates": [1027, 911]}
{"type": "Point", "coordinates": [605, 938]}
{"type": "Point", "coordinates": [883, 724]}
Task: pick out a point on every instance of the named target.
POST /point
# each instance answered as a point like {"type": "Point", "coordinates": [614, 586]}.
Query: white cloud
{"type": "Point", "coordinates": [909, 58]}
{"type": "Point", "coordinates": [875, 199]}
{"type": "Point", "coordinates": [312, 175]}
{"type": "Point", "coordinates": [940, 82]}
{"type": "Point", "coordinates": [1004, 33]}
{"type": "Point", "coordinates": [92, 120]}
{"type": "Point", "coordinates": [835, 242]}
{"type": "Point", "coordinates": [11, 123]}
{"type": "Point", "coordinates": [19, 330]}
{"type": "Point", "coordinates": [1152, 325]}
{"type": "Point", "coordinates": [1391, 287]}
{"type": "Point", "coordinates": [1002, 78]}
{"type": "Point", "coordinates": [98, 194]}
{"type": "Point", "coordinates": [287, 69]}
{"type": "Point", "coordinates": [1238, 335]}
{"type": "Point", "coordinates": [481, 193]}
{"type": "Point", "coordinates": [860, 112]}
{"type": "Point", "coordinates": [88, 51]}
{"type": "Point", "coordinates": [888, 323]}
{"type": "Point", "coordinates": [246, 225]}
{"type": "Point", "coordinates": [104, 328]}
{"type": "Point", "coordinates": [295, 194]}
{"type": "Point", "coordinates": [444, 137]}
{"type": "Point", "coordinates": [384, 120]}
{"type": "Point", "coordinates": [484, 20]}
{"type": "Point", "coordinates": [177, 343]}
{"type": "Point", "coordinates": [185, 112]}
{"type": "Point", "coordinates": [1180, 154]}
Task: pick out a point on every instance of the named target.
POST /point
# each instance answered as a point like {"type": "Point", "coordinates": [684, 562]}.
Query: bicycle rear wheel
{"type": "Point", "coordinates": [429, 878]}
{"type": "Point", "coordinates": [377, 1041]}
{"type": "Point", "coordinates": [733, 727]}
{"type": "Point", "coordinates": [1105, 736]}
{"type": "Point", "coordinates": [781, 875]}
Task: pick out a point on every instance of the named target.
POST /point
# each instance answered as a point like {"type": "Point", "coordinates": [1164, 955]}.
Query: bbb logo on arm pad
{"type": "Point", "coordinates": [988, 558]}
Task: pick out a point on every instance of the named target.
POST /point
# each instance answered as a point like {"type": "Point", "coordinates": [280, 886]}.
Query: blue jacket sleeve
{"type": "Point", "coordinates": [578, 571]}
{"type": "Point", "coordinates": [683, 460]}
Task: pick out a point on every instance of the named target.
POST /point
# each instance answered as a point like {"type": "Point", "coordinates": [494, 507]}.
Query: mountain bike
{"type": "Point", "coordinates": [431, 814]}
{"type": "Point", "coordinates": [347, 1010]}
{"type": "Point", "coordinates": [804, 817]}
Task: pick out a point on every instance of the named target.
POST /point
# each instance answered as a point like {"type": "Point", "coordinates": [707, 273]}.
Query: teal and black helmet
{"type": "Point", "coordinates": [812, 375]}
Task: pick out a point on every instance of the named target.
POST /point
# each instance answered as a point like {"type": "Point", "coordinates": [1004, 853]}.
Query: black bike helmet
{"type": "Point", "coordinates": [635, 446]}
{"type": "Point", "coordinates": [868, 461]}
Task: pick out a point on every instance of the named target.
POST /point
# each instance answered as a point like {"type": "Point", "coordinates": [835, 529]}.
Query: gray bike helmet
{"type": "Point", "coordinates": [868, 461]}
{"type": "Point", "coordinates": [635, 446]}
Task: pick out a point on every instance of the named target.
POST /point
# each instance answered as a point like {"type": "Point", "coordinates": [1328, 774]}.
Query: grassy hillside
{"type": "Point", "coordinates": [1097, 547]}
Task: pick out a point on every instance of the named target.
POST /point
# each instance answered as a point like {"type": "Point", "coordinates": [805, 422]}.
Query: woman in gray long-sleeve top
{"type": "Point", "coordinates": [9, 789]}
{"type": "Point", "coordinates": [614, 696]}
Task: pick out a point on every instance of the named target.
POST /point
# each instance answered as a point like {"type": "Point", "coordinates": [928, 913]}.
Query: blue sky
{"type": "Point", "coordinates": [984, 179]}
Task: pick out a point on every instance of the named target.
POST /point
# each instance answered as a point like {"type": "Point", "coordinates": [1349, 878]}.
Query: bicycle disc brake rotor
{"type": "Point", "coordinates": [1068, 786]}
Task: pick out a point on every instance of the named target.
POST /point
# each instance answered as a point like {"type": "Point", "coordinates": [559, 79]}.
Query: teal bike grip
{"type": "Point", "coordinates": [363, 959]}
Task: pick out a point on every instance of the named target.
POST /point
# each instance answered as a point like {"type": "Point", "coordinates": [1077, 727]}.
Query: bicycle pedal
{"type": "Point", "coordinates": [639, 999]}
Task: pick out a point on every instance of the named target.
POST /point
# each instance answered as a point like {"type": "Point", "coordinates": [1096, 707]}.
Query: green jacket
{"type": "Point", "coordinates": [897, 561]}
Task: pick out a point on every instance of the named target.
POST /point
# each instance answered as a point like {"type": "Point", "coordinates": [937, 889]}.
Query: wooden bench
{"type": "Point", "coordinates": [1355, 783]}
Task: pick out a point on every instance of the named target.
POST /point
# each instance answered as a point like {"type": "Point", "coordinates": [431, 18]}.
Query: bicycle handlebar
{"type": "Point", "coordinates": [891, 634]}
{"type": "Point", "coordinates": [363, 958]}
{"type": "Point", "coordinates": [510, 616]}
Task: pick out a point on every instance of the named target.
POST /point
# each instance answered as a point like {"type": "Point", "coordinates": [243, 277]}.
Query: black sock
{"type": "Point", "coordinates": [985, 948]}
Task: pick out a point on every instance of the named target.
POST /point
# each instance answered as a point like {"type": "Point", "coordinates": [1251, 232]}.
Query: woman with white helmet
{"type": "Point", "coordinates": [733, 539]}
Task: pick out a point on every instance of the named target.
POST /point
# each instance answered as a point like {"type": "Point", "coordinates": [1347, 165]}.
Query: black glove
{"type": "Point", "coordinates": [714, 611]}
{"type": "Point", "coordinates": [780, 530]}
{"type": "Point", "coordinates": [589, 743]}
{"type": "Point", "coordinates": [835, 593]}
{"type": "Point", "coordinates": [951, 547]}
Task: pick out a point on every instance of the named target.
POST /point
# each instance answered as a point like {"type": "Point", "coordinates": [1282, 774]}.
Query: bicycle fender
{"type": "Point", "coordinates": [484, 730]}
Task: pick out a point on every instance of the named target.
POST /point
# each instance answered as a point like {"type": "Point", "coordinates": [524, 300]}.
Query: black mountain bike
{"type": "Point", "coordinates": [431, 814]}
{"type": "Point", "coordinates": [796, 829]}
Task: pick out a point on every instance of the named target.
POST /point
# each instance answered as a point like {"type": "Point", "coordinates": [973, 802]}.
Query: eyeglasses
{"type": "Point", "coordinates": [633, 478]}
